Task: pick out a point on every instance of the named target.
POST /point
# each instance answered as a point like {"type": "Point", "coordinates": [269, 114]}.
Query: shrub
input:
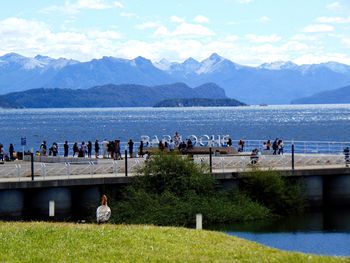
{"type": "Point", "coordinates": [171, 189]}
{"type": "Point", "coordinates": [273, 191]}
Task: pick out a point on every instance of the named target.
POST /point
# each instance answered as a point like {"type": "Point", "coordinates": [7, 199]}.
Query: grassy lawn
{"type": "Point", "coordinates": [65, 242]}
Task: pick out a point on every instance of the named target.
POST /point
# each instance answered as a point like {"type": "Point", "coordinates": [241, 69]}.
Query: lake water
{"type": "Point", "coordinates": [324, 233]}
{"type": "Point", "coordinates": [298, 122]}
{"type": "Point", "coordinates": [315, 233]}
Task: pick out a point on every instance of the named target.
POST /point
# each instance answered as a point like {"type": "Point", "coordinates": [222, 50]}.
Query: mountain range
{"type": "Point", "coordinates": [126, 95]}
{"type": "Point", "coordinates": [337, 96]}
{"type": "Point", "coordinates": [271, 83]}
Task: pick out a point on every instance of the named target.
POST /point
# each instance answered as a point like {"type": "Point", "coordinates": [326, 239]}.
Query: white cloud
{"type": "Point", "coordinates": [346, 41]}
{"type": "Point", "coordinates": [147, 25]}
{"type": "Point", "coordinates": [264, 19]}
{"type": "Point", "coordinates": [232, 38]}
{"type": "Point", "coordinates": [29, 37]}
{"type": "Point", "coordinates": [109, 34]}
{"type": "Point", "coordinates": [305, 37]}
{"type": "Point", "coordinates": [245, 1]}
{"type": "Point", "coordinates": [333, 20]}
{"type": "Point", "coordinates": [318, 28]}
{"type": "Point", "coordinates": [177, 19]}
{"type": "Point", "coordinates": [185, 29]}
{"type": "Point", "coordinates": [263, 39]}
{"type": "Point", "coordinates": [126, 14]}
{"type": "Point", "coordinates": [321, 57]}
{"type": "Point", "coordinates": [75, 7]}
{"type": "Point", "coordinates": [201, 19]}
{"type": "Point", "coordinates": [335, 6]}
{"type": "Point", "coordinates": [32, 37]}
{"type": "Point", "coordinates": [118, 4]}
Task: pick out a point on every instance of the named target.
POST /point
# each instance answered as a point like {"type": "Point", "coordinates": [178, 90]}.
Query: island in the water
{"type": "Point", "coordinates": [125, 95]}
{"type": "Point", "coordinates": [199, 102]}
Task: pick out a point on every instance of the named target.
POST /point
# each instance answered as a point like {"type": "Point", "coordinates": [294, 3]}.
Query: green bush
{"type": "Point", "coordinates": [273, 191]}
{"type": "Point", "coordinates": [171, 189]}
{"type": "Point", "coordinates": [175, 174]}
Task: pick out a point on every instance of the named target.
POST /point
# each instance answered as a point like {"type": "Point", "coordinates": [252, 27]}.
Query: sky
{"type": "Point", "coordinates": [248, 32]}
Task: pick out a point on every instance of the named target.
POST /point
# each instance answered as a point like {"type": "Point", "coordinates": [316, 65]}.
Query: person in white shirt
{"type": "Point", "coordinates": [105, 148]}
{"type": "Point", "coordinates": [103, 212]}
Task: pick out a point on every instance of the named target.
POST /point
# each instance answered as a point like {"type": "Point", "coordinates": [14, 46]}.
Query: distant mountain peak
{"type": "Point", "coordinates": [11, 55]}
{"type": "Point", "coordinates": [278, 65]}
{"type": "Point", "coordinates": [216, 57]}
{"type": "Point", "coordinates": [163, 64]}
{"type": "Point", "coordinates": [139, 61]}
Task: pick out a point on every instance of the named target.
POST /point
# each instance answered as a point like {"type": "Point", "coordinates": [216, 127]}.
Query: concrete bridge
{"type": "Point", "coordinates": [76, 187]}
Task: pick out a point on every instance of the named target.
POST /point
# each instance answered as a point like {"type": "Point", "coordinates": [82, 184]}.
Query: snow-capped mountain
{"type": "Point", "coordinates": [272, 83]}
{"type": "Point", "coordinates": [278, 65]}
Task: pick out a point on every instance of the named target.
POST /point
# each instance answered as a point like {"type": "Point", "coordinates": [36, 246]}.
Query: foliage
{"type": "Point", "coordinates": [273, 191]}
{"type": "Point", "coordinates": [61, 242]}
{"type": "Point", "coordinates": [171, 189]}
{"type": "Point", "coordinates": [168, 209]}
{"type": "Point", "coordinates": [199, 102]}
{"type": "Point", "coordinates": [176, 174]}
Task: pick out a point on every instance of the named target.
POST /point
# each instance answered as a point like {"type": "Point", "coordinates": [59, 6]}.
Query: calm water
{"type": "Point", "coordinates": [324, 233]}
{"type": "Point", "coordinates": [321, 122]}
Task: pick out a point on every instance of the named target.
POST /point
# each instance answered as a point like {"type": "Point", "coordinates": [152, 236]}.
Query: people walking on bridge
{"type": "Point", "coordinates": [2, 153]}
{"type": "Point", "coordinates": [65, 149]}
{"type": "Point", "coordinates": [268, 145]}
{"type": "Point", "coordinates": [141, 149]}
{"type": "Point", "coordinates": [105, 148]}
{"type": "Point", "coordinates": [280, 146]}
{"type": "Point", "coordinates": [54, 149]}
{"type": "Point", "coordinates": [229, 142]}
{"type": "Point", "coordinates": [177, 139]}
{"type": "Point", "coordinates": [131, 148]}
{"type": "Point", "coordinates": [89, 149]}
{"type": "Point", "coordinates": [43, 148]}
{"type": "Point", "coordinates": [97, 149]}
{"type": "Point", "coordinates": [82, 150]}
{"type": "Point", "coordinates": [75, 149]}
{"type": "Point", "coordinates": [275, 146]}
{"type": "Point", "coordinates": [117, 154]}
{"type": "Point", "coordinates": [11, 151]}
{"type": "Point", "coordinates": [241, 145]}
{"type": "Point", "coordinates": [347, 156]}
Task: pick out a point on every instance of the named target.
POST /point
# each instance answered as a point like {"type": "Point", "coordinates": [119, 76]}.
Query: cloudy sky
{"type": "Point", "coordinates": [249, 32]}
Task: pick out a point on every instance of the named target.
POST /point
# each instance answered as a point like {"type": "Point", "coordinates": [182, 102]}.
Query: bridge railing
{"type": "Point", "coordinates": [44, 170]}
{"type": "Point", "coordinates": [310, 147]}
{"type": "Point", "coordinates": [243, 162]}
{"type": "Point", "coordinates": [223, 163]}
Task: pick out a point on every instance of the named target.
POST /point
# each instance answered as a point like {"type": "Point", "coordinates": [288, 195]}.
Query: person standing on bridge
{"type": "Point", "coordinates": [65, 149]}
{"type": "Point", "coordinates": [131, 148]}
{"type": "Point", "coordinates": [241, 145]}
{"type": "Point", "coordinates": [43, 148]}
{"type": "Point", "coordinates": [141, 149]}
{"type": "Point", "coordinates": [105, 144]}
{"type": "Point", "coordinates": [89, 149]}
{"type": "Point", "coordinates": [11, 151]}
{"type": "Point", "coordinates": [75, 149]}
{"type": "Point", "coordinates": [280, 147]}
{"type": "Point", "coordinates": [97, 149]}
{"type": "Point", "coordinates": [275, 146]}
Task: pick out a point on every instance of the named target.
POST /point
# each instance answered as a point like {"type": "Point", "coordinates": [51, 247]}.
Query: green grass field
{"type": "Point", "coordinates": [66, 242]}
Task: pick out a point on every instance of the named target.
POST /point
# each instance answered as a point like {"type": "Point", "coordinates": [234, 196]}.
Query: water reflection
{"type": "Point", "coordinates": [320, 232]}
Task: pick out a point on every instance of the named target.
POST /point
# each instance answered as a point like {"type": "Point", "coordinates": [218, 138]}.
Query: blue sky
{"type": "Point", "coordinates": [249, 32]}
